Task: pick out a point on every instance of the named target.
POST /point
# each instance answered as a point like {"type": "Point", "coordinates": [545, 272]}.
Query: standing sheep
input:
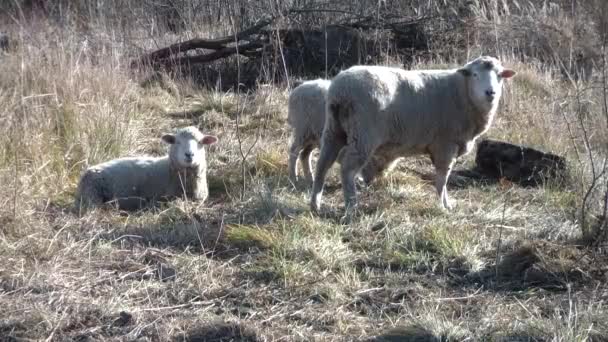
{"type": "Point", "coordinates": [135, 182]}
{"type": "Point", "coordinates": [399, 113]}
{"type": "Point", "coordinates": [306, 116]}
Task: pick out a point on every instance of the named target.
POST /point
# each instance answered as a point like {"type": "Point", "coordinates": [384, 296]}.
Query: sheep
{"type": "Point", "coordinates": [306, 116]}
{"type": "Point", "coordinates": [398, 113]}
{"type": "Point", "coordinates": [135, 182]}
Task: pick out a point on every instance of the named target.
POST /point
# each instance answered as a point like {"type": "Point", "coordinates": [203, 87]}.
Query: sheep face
{"type": "Point", "coordinates": [188, 147]}
{"type": "Point", "coordinates": [485, 75]}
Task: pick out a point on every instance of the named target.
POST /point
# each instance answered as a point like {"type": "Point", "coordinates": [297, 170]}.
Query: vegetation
{"type": "Point", "coordinates": [252, 263]}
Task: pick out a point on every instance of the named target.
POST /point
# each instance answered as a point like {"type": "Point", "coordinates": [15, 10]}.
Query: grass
{"type": "Point", "coordinates": [505, 265]}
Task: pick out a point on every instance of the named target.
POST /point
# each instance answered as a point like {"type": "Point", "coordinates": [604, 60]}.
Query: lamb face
{"type": "Point", "coordinates": [188, 147]}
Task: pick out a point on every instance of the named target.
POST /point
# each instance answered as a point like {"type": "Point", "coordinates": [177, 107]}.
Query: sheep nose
{"type": "Point", "coordinates": [189, 155]}
{"type": "Point", "coordinates": [490, 93]}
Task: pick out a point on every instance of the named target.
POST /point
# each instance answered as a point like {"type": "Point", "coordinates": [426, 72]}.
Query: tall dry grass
{"type": "Point", "coordinates": [254, 264]}
{"type": "Point", "coordinates": [67, 104]}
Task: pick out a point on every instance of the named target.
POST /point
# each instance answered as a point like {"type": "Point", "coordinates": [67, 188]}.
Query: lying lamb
{"type": "Point", "coordinates": [306, 116]}
{"type": "Point", "coordinates": [399, 113]}
{"type": "Point", "coordinates": [135, 182]}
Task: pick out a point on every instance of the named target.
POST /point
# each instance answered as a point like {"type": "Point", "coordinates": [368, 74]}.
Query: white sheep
{"type": "Point", "coordinates": [136, 182]}
{"type": "Point", "coordinates": [306, 116]}
{"type": "Point", "coordinates": [398, 113]}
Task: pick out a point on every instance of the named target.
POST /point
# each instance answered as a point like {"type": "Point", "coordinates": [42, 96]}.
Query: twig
{"type": "Point", "coordinates": [187, 305]}
{"type": "Point", "coordinates": [126, 236]}
{"type": "Point", "coordinates": [50, 338]}
{"type": "Point", "coordinates": [502, 220]}
{"type": "Point", "coordinates": [506, 227]}
{"type": "Point", "coordinates": [373, 289]}
{"type": "Point", "coordinates": [472, 295]}
{"type": "Point", "coordinates": [319, 10]}
{"type": "Point", "coordinates": [239, 112]}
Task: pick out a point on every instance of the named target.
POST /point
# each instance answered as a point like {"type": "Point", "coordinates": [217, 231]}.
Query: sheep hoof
{"type": "Point", "coordinates": [360, 183]}
{"type": "Point", "coordinates": [293, 180]}
{"type": "Point", "coordinates": [315, 206]}
{"type": "Point", "coordinates": [347, 218]}
{"type": "Point", "coordinates": [447, 206]}
{"type": "Point", "coordinates": [349, 214]}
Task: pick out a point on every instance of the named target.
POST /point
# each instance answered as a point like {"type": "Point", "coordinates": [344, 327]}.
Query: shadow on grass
{"type": "Point", "coordinates": [460, 179]}
{"type": "Point", "coordinates": [418, 333]}
{"type": "Point", "coordinates": [220, 332]}
{"type": "Point", "coordinates": [213, 239]}
{"type": "Point", "coordinates": [540, 265]}
{"type": "Point", "coordinates": [218, 231]}
{"type": "Point", "coordinates": [412, 333]}
{"type": "Point", "coordinates": [83, 324]}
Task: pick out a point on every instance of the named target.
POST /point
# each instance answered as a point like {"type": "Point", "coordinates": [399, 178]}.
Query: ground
{"type": "Point", "coordinates": [252, 263]}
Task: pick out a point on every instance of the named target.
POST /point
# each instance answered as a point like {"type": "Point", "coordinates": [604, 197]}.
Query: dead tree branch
{"type": "Point", "coordinates": [166, 56]}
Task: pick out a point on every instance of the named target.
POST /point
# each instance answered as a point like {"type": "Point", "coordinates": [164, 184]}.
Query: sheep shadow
{"type": "Point", "coordinates": [201, 233]}
{"type": "Point", "coordinates": [461, 179]}
{"type": "Point", "coordinates": [219, 332]}
{"type": "Point", "coordinates": [412, 333]}
{"type": "Point", "coordinates": [218, 229]}
{"type": "Point", "coordinates": [418, 333]}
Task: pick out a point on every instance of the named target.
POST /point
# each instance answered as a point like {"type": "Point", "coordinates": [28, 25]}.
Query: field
{"type": "Point", "coordinates": [252, 263]}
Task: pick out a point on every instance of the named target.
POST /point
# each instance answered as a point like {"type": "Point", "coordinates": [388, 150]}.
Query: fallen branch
{"type": "Point", "coordinates": [225, 52]}
{"type": "Point", "coordinates": [160, 56]}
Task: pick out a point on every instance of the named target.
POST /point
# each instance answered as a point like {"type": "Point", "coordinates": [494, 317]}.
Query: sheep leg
{"type": "Point", "coordinates": [294, 152]}
{"type": "Point", "coordinates": [306, 161]}
{"type": "Point", "coordinates": [330, 148]}
{"type": "Point", "coordinates": [443, 159]}
{"type": "Point", "coordinates": [352, 162]}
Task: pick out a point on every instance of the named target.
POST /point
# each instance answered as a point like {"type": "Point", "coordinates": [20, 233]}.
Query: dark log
{"type": "Point", "coordinates": [304, 52]}
{"type": "Point", "coordinates": [225, 52]}
{"type": "Point", "coordinates": [518, 164]}
{"type": "Point", "coordinates": [198, 43]}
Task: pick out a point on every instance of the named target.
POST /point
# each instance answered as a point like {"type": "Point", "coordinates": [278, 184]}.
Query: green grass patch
{"type": "Point", "coordinates": [246, 236]}
{"type": "Point", "coordinates": [271, 163]}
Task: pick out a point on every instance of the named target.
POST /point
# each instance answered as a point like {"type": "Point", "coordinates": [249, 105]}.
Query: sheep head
{"type": "Point", "coordinates": [485, 75]}
{"type": "Point", "coordinates": [188, 147]}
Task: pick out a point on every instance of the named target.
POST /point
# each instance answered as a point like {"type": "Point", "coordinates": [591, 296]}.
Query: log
{"type": "Point", "coordinates": [225, 52]}
{"type": "Point", "coordinates": [519, 164]}
{"type": "Point", "coordinates": [160, 56]}
{"type": "Point", "coordinates": [321, 51]}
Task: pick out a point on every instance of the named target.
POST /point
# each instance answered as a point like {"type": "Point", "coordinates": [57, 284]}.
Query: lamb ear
{"type": "Point", "coordinates": [465, 72]}
{"type": "Point", "coordinates": [507, 73]}
{"type": "Point", "coordinates": [169, 138]}
{"type": "Point", "coordinates": [209, 140]}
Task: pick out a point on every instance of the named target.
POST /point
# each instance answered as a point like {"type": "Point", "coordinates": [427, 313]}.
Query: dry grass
{"type": "Point", "coordinates": [258, 266]}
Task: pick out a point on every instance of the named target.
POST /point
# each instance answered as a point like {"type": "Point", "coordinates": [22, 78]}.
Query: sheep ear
{"type": "Point", "coordinates": [507, 73]}
{"type": "Point", "coordinates": [465, 72]}
{"type": "Point", "coordinates": [209, 140]}
{"type": "Point", "coordinates": [169, 138]}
